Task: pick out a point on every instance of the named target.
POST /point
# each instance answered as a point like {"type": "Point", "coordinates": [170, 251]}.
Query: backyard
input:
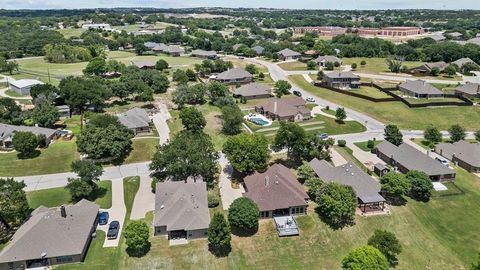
{"type": "Point", "coordinates": [398, 113]}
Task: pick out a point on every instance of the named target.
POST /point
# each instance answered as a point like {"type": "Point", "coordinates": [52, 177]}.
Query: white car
{"type": "Point", "coordinates": [310, 99]}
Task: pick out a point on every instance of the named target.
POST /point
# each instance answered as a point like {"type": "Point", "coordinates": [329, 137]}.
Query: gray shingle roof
{"type": "Point", "coordinates": [460, 62]}
{"type": "Point", "coordinates": [174, 49]}
{"type": "Point", "coordinates": [7, 131]}
{"type": "Point", "coordinates": [134, 118]}
{"type": "Point", "coordinates": [48, 232]}
{"type": "Point", "coordinates": [181, 205]}
{"type": "Point", "coordinates": [285, 106]}
{"type": "Point", "coordinates": [258, 49]}
{"type": "Point", "coordinates": [204, 53]}
{"type": "Point", "coordinates": [469, 88]}
{"type": "Point", "coordinates": [328, 58]}
{"type": "Point", "coordinates": [463, 150]}
{"type": "Point", "coordinates": [475, 40]}
{"type": "Point", "coordinates": [412, 159]}
{"type": "Point", "coordinates": [25, 83]}
{"type": "Point", "coordinates": [160, 47]}
{"type": "Point", "coordinates": [277, 188]}
{"type": "Point", "coordinates": [420, 87]}
{"type": "Point", "coordinates": [288, 53]}
{"type": "Point", "coordinates": [341, 74]}
{"type": "Point", "coordinates": [253, 89]}
{"type": "Point", "coordinates": [143, 63]}
{"type": "Point", "coordinates": [366, 188]}
{"type": "Point", "coordinates": [234, 74]}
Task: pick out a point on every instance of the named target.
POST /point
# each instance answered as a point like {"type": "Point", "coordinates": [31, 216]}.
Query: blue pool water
{"type": "Point", "coordinates": [259, 121]}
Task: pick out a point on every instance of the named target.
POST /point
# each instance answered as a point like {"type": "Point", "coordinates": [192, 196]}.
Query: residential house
{"type": "Point", "coordinates": [323, 60]}
{"type": "Point", "coordinates": [235, 76]}
{"type": "Point", "coordinates": [204, 54]}
{"type": "Point", "coordinates": [366, 188]}
{"type": "Point", "coordinates": [150, 45]}
{"type": "Point", "coordinates": [475, 40]}
{"type": "Point", "coordinates": [98, 26]}
{"type": "Point", "coordinates": [236, 47]}
{"type": "Point", "coordinates": [341, 79]}
{"type": "Point", "coordinates": [254, 90]}
{"type": "Point", "coordinates": [470, 90]}
{"type": "Point", "coordinates": [438, 37]}
{"type": "Point", "coordinates": [23, 86]}
{"type": "Point", "coordinates": [144, 64]}
{"type": "Point", "coordinates": [462, 61]}
{"type": "Point", "coordinates": [258, 50]}
{"type": "Point", "coordinates": [64, 111]}
{"type": "Point", "coordinates": [427, 67]}
{"type": "Point", "coordinates": [8, 131]}
{"type": "Point", "coordinates": [289, 108]}
{"type": "Point", "coordinates": [159, 48]}
{"type": "Point", "coordinates": [462, 153]}
{"type": "Point", "coordinates": [181, 210]}
{"type": "Point", "coordinates": [454, 35]}
{"type": "Point", "coordinates": [405, 158]}
{"type": "Point", "coordinates": [135, 119]}
{"type": "Point", "coordinates": [420, 89]}
{"type": "Point", "coordinates": [287, 54]}
{"type": "Point", "coordinates": [174, 50]}
{"type": "Point", "coordinates": [51, 236]}
{"type": "Point", "coordinates": [276, 192]}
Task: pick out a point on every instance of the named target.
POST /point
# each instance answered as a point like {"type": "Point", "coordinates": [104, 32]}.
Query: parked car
{"type": "Point", "coordinates": [310, 99]}
{"type": "Point", "coordinates": [442, 160]}
{"type": "Point", "coordinates": [113, 230]}
{"type": "Point", "coordinates": [297, 93]}
{"type": "Point", "coordinates": [103, 218]}
{"type": "Point", "coordinates": [323, 136]}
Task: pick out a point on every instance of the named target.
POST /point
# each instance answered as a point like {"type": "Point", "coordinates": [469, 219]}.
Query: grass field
{"type": "Point", "coordinates": [53, 197]}
{"type": "Point", "coordinates": [370, 92]}
{"type": "Point", "coordinates": [293, 66]}
{"type": "Point", "coordinates": [398, 113]}
{"type": "Point", "coordinates": [55, 159]}
{"type": "Point", "coordinates": [71, 32]}
{"type": "Point", "coordinates": [143, 150]}
{"type": "Point", "coordinates": [375, 65]}
{"type": "Point", "coordinates": [363, 145]}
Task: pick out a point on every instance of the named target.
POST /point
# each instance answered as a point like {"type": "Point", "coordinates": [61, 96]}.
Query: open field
{"type": "Point", "coordinates": [375, 65]}
{"type": "Point", "coordinates": [293, 66]}
{"type": "Point", "coordinates": [55, 159]}
{"type": "Point", "coordinates": [71, 32]}
{"type": "Point", "coordinates": [143, 150]}
{"type": "Point", "coordinates": [54, 197]}
{"type": "Point", "coordinates": [398, 113]}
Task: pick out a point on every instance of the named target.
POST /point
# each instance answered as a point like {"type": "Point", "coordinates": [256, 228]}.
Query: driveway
{"type": "Point", "coordinates": [366, 158]}
{"type": "Point", "coordinates": [144, 200]}
{"type": "Point", "coordinates": [337, 159]}
{"type": "Point", "coordinates": [160, 121]}
{"type": "Point", "coordinates": [227, 193]}
{"type": "Point", "coordinates": [116, 212]}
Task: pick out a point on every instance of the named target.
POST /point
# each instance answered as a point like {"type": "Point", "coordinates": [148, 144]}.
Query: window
{"type": "Point", "coordinates": [301, 210]}
{"type": "Point", "coordinates": [64, 259]}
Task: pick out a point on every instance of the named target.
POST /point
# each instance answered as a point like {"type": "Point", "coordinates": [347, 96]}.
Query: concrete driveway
{"type": "Point", "coordinates": [227, 193]}
{"type": "Point", "coordinates": [160, 121]}
{"type": "Point", "coordinates": [144, 200]}
{"type": "Point", "coordinates": [116, 212]}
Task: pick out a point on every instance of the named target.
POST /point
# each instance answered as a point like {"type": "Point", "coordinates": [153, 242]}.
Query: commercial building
{"type": "Point", "coordinates": [390, 31]}
{"type": "Point", "coordinates": [329, 31]}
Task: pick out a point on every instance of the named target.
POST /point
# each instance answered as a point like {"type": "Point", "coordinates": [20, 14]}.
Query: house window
{"type": "Point", "coordinates": [267, 214]}
{"type": "Point", "coordinates": [64, 259]}
{"type": "Point", "coordinates": [301, 210]}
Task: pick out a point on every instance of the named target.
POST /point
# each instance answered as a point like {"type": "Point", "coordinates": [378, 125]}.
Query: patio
{"type": "Point", "coordinates": [286, 226]}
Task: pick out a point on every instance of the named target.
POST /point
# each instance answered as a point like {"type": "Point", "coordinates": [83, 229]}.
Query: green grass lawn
{"type": "Point", "coordinates": [130, 188]}
{"type": "Point", "coordinates": [13, 94]}
{"type": "Point", "coordinates": [370, 92]}
{"type": "Point", "coordinates": [143, 150]}
{"type": "Point", "coordinates": [363, 145]}
{"type": "Point", "coordinates": [73, 124]}
{"type": "Point", "coordinates": [293, 66]}
{"type": "Point", "coordinates": [55, 159]}
{"type": "Point", "coordinates": [53, 197]}
{"type": "Point", "coordinates": [398, 113]}
{"type": "Point", "coordinates": [71, 32]}
{"type": "Point", "coordinates": [375, 65]}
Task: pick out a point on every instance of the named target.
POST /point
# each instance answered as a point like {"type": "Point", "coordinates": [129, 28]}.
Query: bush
{"type": "Point", "coordinates": [370, 144]}
{"type": "Point", "coordinates": [363, 63]}
{"type": "Point", "coordinates": [341, 143]}
{"type": "Point", "coordinates": [154, 185]}
{"type": "Point", "coordinates": [136, 237]}
{"type": "Point", "coordinates": [41, 140]}
{"type": "Point", "coordinates": [354, 65]}
{"type": "Point", "coordinates": [243, 214]}
{"type": "Point", "coordinates": [213, 201]}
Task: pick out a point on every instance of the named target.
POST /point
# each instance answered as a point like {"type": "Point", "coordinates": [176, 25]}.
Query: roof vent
{"type": "Point", "coordinates": [352, 173]}
{"type": "Point", "coordinates": [162, 206]}
{"type": "Point", "coordinates": [267, 181]}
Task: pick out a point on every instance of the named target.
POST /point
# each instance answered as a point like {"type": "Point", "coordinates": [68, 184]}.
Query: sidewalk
{"type": "Point", "coordinates": [117, 212]}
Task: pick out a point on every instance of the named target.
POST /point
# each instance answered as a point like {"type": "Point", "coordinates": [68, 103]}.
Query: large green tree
{"type": "Point", "coordinates": [365, 258]}
{"type": "Point", "coordinates": [185, 94]}
{"type": "Point", "coordinates": [282, 88]}
{"type": "Point", "coordinates": [395, 184]}
{"type": "Point", "coordinates": [421, 185]}
{"type": "Point", "coordinates": [432, 134]}
{"type": "Point", "coordinates": [25, 143]}
{"type": "Point", "coordinates": [10, 112]}
{"type": "Point", "coordinates": [232, 118]}
{"type": "Point", "coordinates": [393, 134]}
{"type": "Point", "coordinates": [219, 235]}
{"type": "Point", "coordinates": [292, 137]}
{"type": "Point", "coordinates": [192, 119]}
{"type": "Point", "coordinates": [247, 152]}
{"type": "Point", "coordinates": [387, 243]}
{"type": "Point", "coordinates": [14, 207]}
{"type": "Point", "coordinates": [457, 133]}
{"type": "Point", "coordinates": [136, 235]}
{"type": "Point", "coordinates": [340, 114]}
{"type": "Point", "coordinates": [97, 66]}
{"type": "Point", "coordinates": [243, 214]}
{"type": "Point", "coordinates": [337, 204]}
{"type": "Point", "coordinates": [45, 115]}
{"type": "Point", "coordinates": [79, 92]}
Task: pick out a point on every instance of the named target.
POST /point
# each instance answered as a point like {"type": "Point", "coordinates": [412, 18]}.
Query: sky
{"type": "Point", "coordinates": [292, 4]}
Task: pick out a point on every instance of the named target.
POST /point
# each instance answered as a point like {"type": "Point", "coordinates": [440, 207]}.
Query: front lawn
{"type": "Point", "coordinates": [54, 197]}
{"type": "Point", "coordinates": [375, 65]}
{"type": "Point", "coordinates": [293, 66]}
{"type": "Point", "coordinates": [57, 158]}
{"type": "Point", "coordinates": [143, 149]}
{"type": "Point", "coordinates": [398, 113]}
{"type": "Point", "coordinates": [363, 145]}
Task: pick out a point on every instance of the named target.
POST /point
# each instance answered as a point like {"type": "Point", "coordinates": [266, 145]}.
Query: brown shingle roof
{"type": "Point", "coordinates": [253, 89]}
{"type": "Point", "coordinates": [285, 106]}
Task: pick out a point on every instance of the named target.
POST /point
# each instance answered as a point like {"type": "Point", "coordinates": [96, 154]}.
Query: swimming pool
{"type": "Point", "coordinates": [259, 121]}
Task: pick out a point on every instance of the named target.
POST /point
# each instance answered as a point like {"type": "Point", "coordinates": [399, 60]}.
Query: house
{"type": "Point", "coordinates": [23, 86]}
{"type": "Point", "coordinates": [98, 26]}
{"type": "Point", "coordinates": [287, 54]}
{"type": "Point", "coordinates": [462, 153]}
{"type": "Point", "coordinates": [204, 54]}
{"type": "Point", "coordinates": [236, 47]}
{"type": "Point", "coordinates": [181, 210]}
{"type": "Point", "coordinates": [289, 108]}
{"type": "Point", "coordinates": [64, 111]}
{"type": "Point", "coordinates": [136, 120]}
{"type": "Point", "coordinates": [174, 50]}
{"type": "Point", "coordinates": [323, 60]}
{"type": "Point", "coordinates": [427, 67]}
{"type": "Point", "coordinates": [475, 40]}
{"type": "Point", "coordinates": [144, 64]}
{"type": "Point", "coordinates": [8, 131]}
{"type": "Point", "coordinates": [455, 35]}
{"type": "Point", "coordinates": [470, 90]}
{"type": "Point", "coordinates": [254, 90]}
{"type": "Point", "coordinates": [341, 79]}
{"type": "Point", "coordinates": [420, 89]}
{"type": "Point", "coordinates": [438, 37]}
{"type": "Point", "coordinates": [276, 192]}
{"type": "Point", "coordinates": [150, 45]}
{"type": "Point", "coordinates": [159, 48]}
{"type": "Point", "coordinates": [234, 76]}
{"type": "Point", "coordinates": [462, 61]}
{"type": "Point", "coordinates": [405, 158]}
{"type": "Point", "coordinates": [258, 50]}
{"type": "Point", "coordinates": [51, 236]}
{"type": "Point", "coordinates": [366, 188]}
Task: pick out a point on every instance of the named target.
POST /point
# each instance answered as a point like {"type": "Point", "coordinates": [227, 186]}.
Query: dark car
{"type": "Point", "coordinates": [113, 230]}
{"type": "Point", "coordinates": [297, 93]}
{"type": "Point", "coordinates": [103, 218]}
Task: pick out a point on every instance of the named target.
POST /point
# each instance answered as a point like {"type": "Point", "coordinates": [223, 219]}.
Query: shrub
{"type": "Point", "coordinates": [370, 144]}
{"type": "Point", "coordinates": [213, 201]}
{"type": "Point", "coordinates": [243, 214]}
{"type": "Point", "coordinates": [363, 63]}
{"type": "Point", "coordinates": [341, 143]}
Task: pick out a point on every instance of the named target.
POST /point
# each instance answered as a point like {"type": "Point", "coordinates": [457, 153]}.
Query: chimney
{"type": "Point", "coordinates": [267, 181]}
{"type": "Point", "coordinates": [275, 107]}
{"type": "Point", "coordinates": [63, 212]}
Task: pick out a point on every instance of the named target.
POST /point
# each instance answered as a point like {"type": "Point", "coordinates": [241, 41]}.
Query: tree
{"type": "Point", "coordinates": [320, 74]}
{"type": "Point", "coordinates": [219, 235]}
{"type": "Point", "coordinates": [282, 88]}
{"type": "Point", "coordinates": [191, 75]}
{"type": "Point", "coordinates": [11, 66]}
{"type": "Point", "coordinates": [477, 135]}
{"type": "Point", "coordinates": [216, 90]}
{"type": "Point", "coordinates": [363, 63]}
{"type": "Point", "coordinates": [243, 214]}
{"type": "Point", "coordinates": [115, 66]}
{"type": "Point", "coordinates": [251, 68]}
{"type": "Point", "coordinates": [97, 66]}
{"type": "Point", "coordinates": [395, 183]}
{"type": "Point", "coordinates": [354, 66]}
{"type": "Point", "coordinates": [79, 189]}
{"type": "Point", "coordinates": [232, 118]}
{"type": "Point", "coordinates": [192, 119]}
{"type": "Point", "coordinates": [14, 207]}
{"type": "Point", "coordinates": [457, 133]}
{"type": "Point", "coordinates": [43, 90]}
{"type": "Point", "coordinates": [365, 258]}
{"type": "Point", "coordinates": [435, 71]}
{"type": "Point", "coordinates": [421, 185]}
{"type": "Point", "coordinates": [45, 115]}
{"type": "Point", "coordinates": [394, 65]}
{"type": "Point", "coordinates": [305, 172]}
{"type": "Point", "coordinates": [393, 134]}
{"type": "Point", "coordinates": [292, 137]}
{"type": "Point", "coordinates": [432, 135]}
{"type": "Point", "coordinates": [337, 204]}
{"type": "Point", "coordinates": [185, 94]}
{"type": "Point", "coordinates": [78, 92]}
{"type": "Point", "coordinates": [450, 70]}
{"type": "Point", "coordinates": [188, 154]}
{"type": "Point", "coordinates": [180, 76]}
{"type": "Point", "coordinates": [329, 66]}
{"type": "Point", "coordinates": [340, 114]}
{"type": "Point", "coordinates": [136, 234]}
{"type": "Point", "coordinates": [10, 112]}
{"type": "Point", "coordinates": [311, 65]}
{"type": "Point", "coordinates": [87, 170]}
{"type": "Point", "coordinates": [25, 143]}
{"type": "Point", "coordinates": [247, 152]}
{"type": "Point", "coordinates": [161, 65]}
{"type": "Point", "coordinates": [476, 266]}
{"type": "Point", "coordinates": [387, 243]}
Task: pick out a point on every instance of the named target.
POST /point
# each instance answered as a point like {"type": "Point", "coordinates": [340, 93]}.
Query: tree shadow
{"type": "Point", "coordinates": [395, 200]}
{"type": "Point", "coordinates": [340, 122]}
{"type": "Point", "coordinates": [98, 192]}
{"type": "Point", "coordinates": [120, 160]}
{"type": "Point", "coordinates": [220, 251]}
{"type": "Point", "coordinates": [138, 252]}
{"type": "Point", "coordinates": [31, 155]}
{"type": "Point", "coordinates": [334, 224]}
{"type": "Point", "coordinates": [244, 232]}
